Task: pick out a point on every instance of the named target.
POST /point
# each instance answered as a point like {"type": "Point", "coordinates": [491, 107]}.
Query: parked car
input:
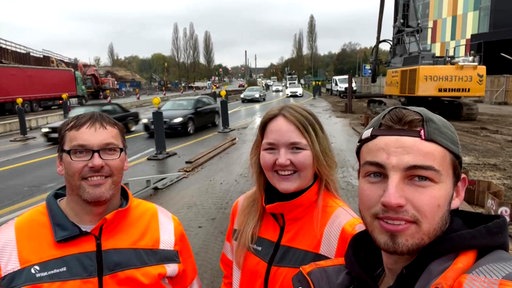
{"type": "Point", "coordinates": [128, 118]}
{"type": "Point", "coordinates": [294, 90]}
{"type": "Point", "coordinates": [185, 114]}
{"type": "Point", "coordinates": [277, 87]}
{"type": "Point", "coordinates": [253, 93]}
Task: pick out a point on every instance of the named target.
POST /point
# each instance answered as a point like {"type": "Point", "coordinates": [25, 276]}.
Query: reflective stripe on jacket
{"type": "Point", "coordinates": [494, 270]}
{"type": "Point", "coordinates": [138, 245]}
{"type": "Point", "coordinates": [292, 233]}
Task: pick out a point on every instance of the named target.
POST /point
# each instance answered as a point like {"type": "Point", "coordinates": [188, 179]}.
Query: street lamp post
{"type": "Point", "coordinates": [357, 64]}
{"type": "Point", "coordinates": [165, 78]}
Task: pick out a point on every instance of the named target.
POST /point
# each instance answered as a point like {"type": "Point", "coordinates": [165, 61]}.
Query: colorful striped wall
{"type": "Point", "coordinates": [452, 22]}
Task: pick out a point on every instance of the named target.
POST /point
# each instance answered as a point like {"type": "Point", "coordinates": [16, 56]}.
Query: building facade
{"type": "Point", "coordinates": [459, 27]}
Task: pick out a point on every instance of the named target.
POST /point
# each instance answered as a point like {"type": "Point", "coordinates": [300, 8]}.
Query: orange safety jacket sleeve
{"type": "Point", "coordinates": [226, 258]}
{"type": "Point", "coordinates": [319, 274]}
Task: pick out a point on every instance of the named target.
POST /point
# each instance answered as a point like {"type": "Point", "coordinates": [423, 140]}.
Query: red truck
{"type": "Point", "coordinates": [39, 87]}
{"type": "Point", "coordinates": [95, 84]}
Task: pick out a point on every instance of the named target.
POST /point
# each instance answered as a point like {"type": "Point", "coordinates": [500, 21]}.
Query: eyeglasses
{"type": "Point", "coordinates": [82, 154]}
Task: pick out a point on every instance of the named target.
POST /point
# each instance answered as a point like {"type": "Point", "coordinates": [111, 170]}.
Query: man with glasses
{"type": "Point", "coordinates": [92, 232]}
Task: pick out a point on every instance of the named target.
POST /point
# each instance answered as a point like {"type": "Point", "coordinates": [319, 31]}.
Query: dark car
{"type": "Point", "coordinates": [128, 118]}
{"type": "Point", "coordinates": [253, 93]}
{"type": "Point", "coordinates": [185, 114]}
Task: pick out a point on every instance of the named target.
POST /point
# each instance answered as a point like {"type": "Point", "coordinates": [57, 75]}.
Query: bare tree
{"type": "Point", "coordinates": [112, 56]}
{"type": "Point", "coordinates": [299, 53]}
{"type": "Point", "coordinates": [312, 41]}
{"type": "Point", "coordinates": [186, 51]}
{"type": "Point", "coordinates": [191, 50]}
{"type": "Point", "coordinates": [294, 48]}
{"type": "Point", "coordinates": [196, 56]}
{"type": "Point", "coordinates": [208, 53]}
{"type": "Point", "coordinates": [97, 61]}
{"type": "Point", "coordinates": [176, 50]}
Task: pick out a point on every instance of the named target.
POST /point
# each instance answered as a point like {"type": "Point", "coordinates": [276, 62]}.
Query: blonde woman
{"type": "Point", "coordinates": [293, 215]}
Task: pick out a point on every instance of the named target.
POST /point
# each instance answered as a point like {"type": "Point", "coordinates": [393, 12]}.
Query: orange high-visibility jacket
{"type": "Point", "coordinates": [473, 251]}
{"type": "Point", "coordinates": [138, 245]}
{"type": "Point", "coordinates": [454, 271]}
{"type": "Point", "coordinates": [309, 228]}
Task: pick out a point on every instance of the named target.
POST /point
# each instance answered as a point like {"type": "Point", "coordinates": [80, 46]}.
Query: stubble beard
{"type": "Point", "coordinates": [396, 244]}
{"type": "Point", "coordinates": [96, 197]}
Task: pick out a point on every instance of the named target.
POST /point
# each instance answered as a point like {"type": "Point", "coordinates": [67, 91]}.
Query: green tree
{"type": "Point", "coordinates": [131, 63]}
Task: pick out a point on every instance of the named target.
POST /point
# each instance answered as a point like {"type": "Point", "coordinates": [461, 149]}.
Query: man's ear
{"type": "Point", "coordinates": [60, 166]}
{"type": "Point", "coordinates": [459, 192]}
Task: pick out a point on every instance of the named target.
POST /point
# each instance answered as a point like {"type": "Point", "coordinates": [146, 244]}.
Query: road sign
{"type": "Point", "coordinates": [367, 70]}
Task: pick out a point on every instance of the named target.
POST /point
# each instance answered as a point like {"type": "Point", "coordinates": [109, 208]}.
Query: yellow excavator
{"type": "Point", "coordinates": [417, 77]}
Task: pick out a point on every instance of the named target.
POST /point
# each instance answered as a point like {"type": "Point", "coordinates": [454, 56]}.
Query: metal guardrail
{"type": "Point", "coordinates": [153, 183]}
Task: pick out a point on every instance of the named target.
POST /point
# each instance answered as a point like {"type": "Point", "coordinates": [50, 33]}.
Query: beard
{"type": "Point", "coordinates": [397, 244]}
{"type": "Point", "coordinates": [96, 197]}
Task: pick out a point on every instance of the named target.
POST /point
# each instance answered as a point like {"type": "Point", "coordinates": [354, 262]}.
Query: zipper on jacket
{"type": "Point", "coordinates": [99, 257]}
{"type": "Point", "coordinates": [281, 223]}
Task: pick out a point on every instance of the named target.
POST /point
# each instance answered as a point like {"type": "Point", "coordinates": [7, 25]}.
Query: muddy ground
{"type": "Point", "coordinates": [486, 143]}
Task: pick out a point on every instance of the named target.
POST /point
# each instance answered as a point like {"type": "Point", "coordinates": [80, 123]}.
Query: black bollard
{"type": "Point", "coordinates": [22, 121]}
{"type": "Point", "coordinates": [160, 147]}
{"type": "Point", "coordinates": [224, 114]}
{"type": "Point", "coordinates": [65, 108]}
{"type": "Point", "coordinates": [349, 94]}
{"type": "Point", "coordinates": [23, 126]}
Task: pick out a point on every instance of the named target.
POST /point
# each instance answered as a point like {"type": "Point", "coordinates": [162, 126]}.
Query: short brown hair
{"type": "Point", "coordinates": [89, 119]}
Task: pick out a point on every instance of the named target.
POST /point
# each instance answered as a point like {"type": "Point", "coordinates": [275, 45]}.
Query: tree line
{"type": "Point", "coordinates": [187, 62]}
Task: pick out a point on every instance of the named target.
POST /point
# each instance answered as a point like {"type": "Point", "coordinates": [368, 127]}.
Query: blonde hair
{"type": "Point", "coordinates": [251, 209]}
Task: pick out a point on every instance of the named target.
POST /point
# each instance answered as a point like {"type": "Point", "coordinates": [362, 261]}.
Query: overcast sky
{"type": "Point", "coordinates": [84, 29]}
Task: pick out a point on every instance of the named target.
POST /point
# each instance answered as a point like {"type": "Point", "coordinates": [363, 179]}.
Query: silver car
{"type": "Point", "coordinates": [253, 93]}
{"type": "Point", "coordinates": [277, 87]}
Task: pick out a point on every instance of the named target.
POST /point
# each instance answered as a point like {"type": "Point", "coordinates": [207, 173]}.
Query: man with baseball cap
{"type": "Point", "coordinates": [410, 188]}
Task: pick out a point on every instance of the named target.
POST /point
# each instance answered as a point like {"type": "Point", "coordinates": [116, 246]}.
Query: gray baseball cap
{"type": "Point", "coordinates": [435, 129]}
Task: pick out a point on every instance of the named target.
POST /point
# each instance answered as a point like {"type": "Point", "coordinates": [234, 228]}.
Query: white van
{"type": "Point", "coordinates": [339, 85]}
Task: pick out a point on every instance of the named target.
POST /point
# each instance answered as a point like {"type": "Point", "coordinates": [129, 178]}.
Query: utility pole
{"type": "Point", "coordinates": [245, 65]}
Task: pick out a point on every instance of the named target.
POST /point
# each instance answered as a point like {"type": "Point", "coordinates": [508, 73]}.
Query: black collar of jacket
{"type": "Point", "coordinates": [63, 228]}
{"type": "Point", "coordinates": [272, 195]}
